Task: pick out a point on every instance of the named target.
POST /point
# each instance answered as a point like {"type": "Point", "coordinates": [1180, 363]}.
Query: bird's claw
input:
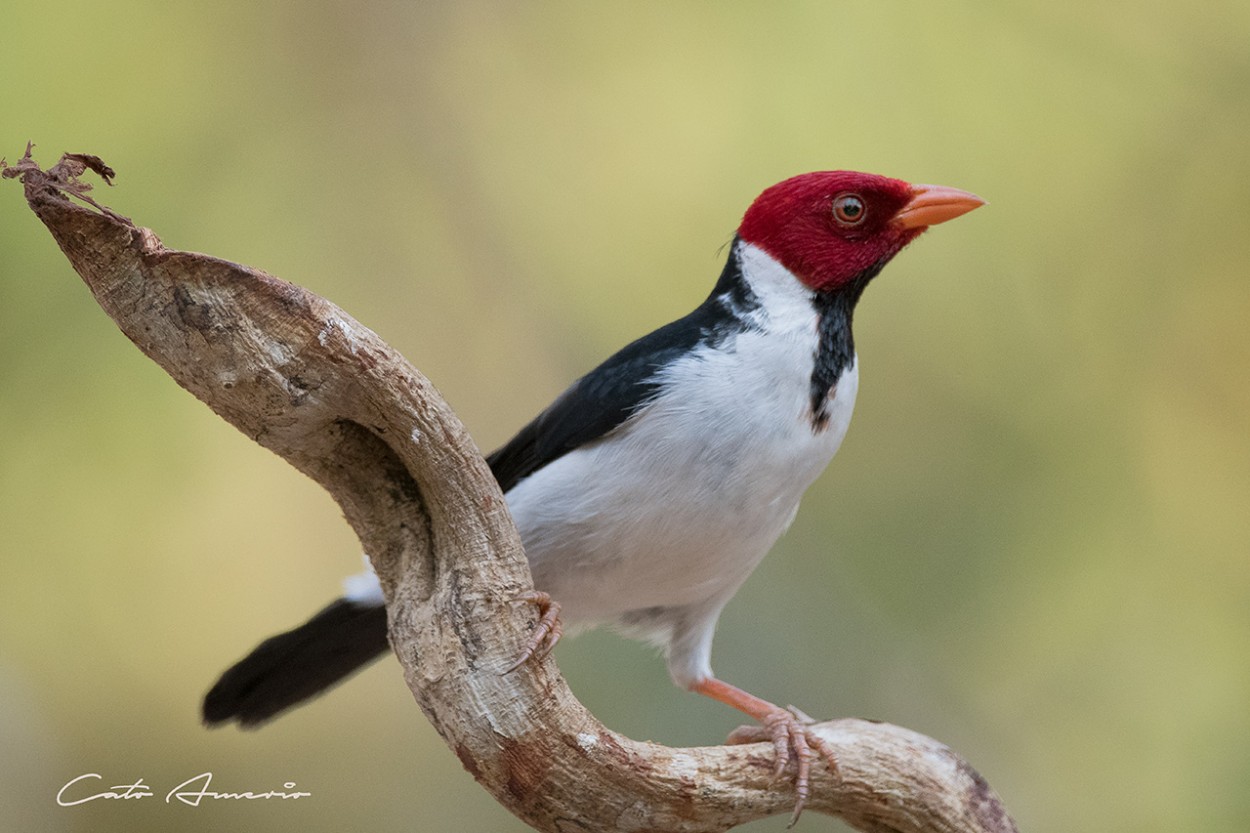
{"type": "Point", "coordinates": [789, 731]}
{"type": "Point", "coordinates": [546, 633]}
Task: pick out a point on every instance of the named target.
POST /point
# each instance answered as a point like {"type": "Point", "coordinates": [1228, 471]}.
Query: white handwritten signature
{"type": "Point", "coordinates": [190, 792]}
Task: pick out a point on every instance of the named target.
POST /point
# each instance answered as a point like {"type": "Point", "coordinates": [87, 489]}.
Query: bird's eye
{"type": "Point", "coordinates": [848, 209]}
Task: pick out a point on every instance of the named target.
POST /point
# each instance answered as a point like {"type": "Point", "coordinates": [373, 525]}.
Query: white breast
{"type": "Point", "coordinates": [677, 507]}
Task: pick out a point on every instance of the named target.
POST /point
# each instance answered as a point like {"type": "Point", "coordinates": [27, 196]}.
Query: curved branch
{"type": "Point", "coordinates": [304, 379]}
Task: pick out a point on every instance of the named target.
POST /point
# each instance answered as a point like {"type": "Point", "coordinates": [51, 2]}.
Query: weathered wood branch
{"type": "Point", "coordinates": [307, 381]}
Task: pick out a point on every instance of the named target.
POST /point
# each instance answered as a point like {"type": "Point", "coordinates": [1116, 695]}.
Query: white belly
{"type": "Point", "coordinates": [676, 508]}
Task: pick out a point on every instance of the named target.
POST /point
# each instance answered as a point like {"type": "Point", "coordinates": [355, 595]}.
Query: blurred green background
{"type": "Point", "coordinates": [1035, 544]}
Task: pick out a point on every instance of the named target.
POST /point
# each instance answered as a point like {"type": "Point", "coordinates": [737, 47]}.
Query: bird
{"type": "Point", "coordinates": [651, 488]}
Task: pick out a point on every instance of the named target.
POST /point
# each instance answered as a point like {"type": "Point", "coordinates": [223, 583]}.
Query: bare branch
{"type": "Point", "coordinates": [304, 379]}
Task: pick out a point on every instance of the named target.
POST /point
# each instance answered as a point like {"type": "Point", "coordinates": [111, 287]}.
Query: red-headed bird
{"type": "Point", "coordinates": [650, 489]}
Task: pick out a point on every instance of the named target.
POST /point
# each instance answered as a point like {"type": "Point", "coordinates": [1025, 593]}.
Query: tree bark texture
{"type": "Point", "coordinates": [304, 379]}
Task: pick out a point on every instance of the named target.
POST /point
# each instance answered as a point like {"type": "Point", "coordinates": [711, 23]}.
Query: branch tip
{"type": "Point", "coordinates": [62, 178]}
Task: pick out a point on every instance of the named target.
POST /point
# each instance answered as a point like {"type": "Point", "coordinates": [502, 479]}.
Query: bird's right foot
{"type": "Point", "coordinates": [546, 633]}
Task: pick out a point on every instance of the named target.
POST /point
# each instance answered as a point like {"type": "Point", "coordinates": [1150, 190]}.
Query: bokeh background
{"type": "Point", "coordinates": [1035, 544]}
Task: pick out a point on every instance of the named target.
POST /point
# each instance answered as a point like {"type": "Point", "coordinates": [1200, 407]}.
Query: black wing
{"type": "Point", "coordinates": [593, 405]}
{"type": "Point", "coordinates": [608, 395]}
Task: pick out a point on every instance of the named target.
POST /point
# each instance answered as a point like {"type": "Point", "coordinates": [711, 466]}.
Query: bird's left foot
{"type": "Point", "coordinates": [789, 731]}
{"type": "Point", "coordinates": [546, 633]}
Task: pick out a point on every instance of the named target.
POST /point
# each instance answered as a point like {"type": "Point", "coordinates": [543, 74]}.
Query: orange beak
{"type": "Point", "coordinates": [933, 204]}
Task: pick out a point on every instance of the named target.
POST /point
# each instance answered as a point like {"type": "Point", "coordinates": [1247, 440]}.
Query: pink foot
{"type": "Point", "coordinates": [789, 731]}
{"type": "Point", "coordinates": [546, 634]}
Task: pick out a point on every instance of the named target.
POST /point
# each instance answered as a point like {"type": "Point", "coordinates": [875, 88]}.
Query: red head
{"type": "Point", "coordinates": [831, 227]}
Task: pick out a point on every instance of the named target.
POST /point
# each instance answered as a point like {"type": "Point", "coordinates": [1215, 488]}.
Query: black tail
{"type": "Point", "coordinates": [289, 668]}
